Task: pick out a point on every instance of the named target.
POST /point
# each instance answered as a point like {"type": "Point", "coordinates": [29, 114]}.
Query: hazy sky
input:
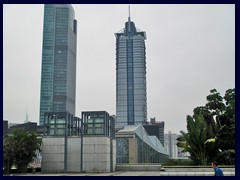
{"type": "Point", "coordinates": [190, 50]}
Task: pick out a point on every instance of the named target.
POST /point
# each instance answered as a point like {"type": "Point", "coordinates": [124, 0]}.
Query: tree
{"type": "Point", "coordinates": [224, 115]}
{"type": "Point", "coordinates": [194, 141]}
{"type": "Point", "coordinates": [19, 149]}
{"type": "Point", "coordinates": [211, 131]}
{"type": "Point", "coordinates": [218, 133]}
{"type": "Point", "coordinates": [8, 153]}
{"type": "Point", "coordinates": [215, 105]}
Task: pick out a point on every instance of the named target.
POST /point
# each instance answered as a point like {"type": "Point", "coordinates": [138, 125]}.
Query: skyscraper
{"type": "Point", "coordinates": [58, 78]}
{"type": "Point", "coordinates": [131, 95]}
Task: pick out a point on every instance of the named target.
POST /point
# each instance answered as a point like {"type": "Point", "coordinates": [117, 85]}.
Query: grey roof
{"type": "Point", "coordinates": [159, 145]}
{"type": "Point", "coordinates": [139, 130]}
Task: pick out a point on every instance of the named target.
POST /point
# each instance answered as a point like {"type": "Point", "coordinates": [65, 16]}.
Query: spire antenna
{"type": "Point", "coordinates": [26, 119]}
{"type": "Point", "coordinates": [129, 20]}
{"type": "Point", "coordinates": [129, 14]}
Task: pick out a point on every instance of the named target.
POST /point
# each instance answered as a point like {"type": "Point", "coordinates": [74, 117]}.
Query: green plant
{"type": "Point", "coordinates": [18, 149]}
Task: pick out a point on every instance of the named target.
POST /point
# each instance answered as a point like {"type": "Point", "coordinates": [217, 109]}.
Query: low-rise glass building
{"type": "Point", "coordinates": [134, 145]}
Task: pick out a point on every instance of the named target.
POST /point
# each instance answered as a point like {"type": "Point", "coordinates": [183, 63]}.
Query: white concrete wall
{"type": "Point", "coordinates": [96, 154]}
{"type": "Point", "coordinates": [52, 154]}
{"type": "Point", "coordinates": [114, 155]}
{"type": "Point", "coordinates": [74, 154]}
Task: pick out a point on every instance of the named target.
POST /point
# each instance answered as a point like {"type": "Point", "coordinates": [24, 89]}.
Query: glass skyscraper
{"type": "Point", "coordinates": [58, 76]}
{"type": "Point", "coordinates": [131, 95]}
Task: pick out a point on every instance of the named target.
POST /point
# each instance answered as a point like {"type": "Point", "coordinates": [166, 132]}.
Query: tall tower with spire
{"type": "Point", "coordinates": [131, 94]}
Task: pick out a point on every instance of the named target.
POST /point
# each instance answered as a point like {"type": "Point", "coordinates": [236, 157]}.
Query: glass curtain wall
{"type": "Point", "coordinates": [57, 124]}
{"type": "Point", "coordinates": [98, 123]}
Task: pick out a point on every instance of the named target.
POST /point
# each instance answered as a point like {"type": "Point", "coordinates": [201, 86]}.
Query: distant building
{"type": "Point", "coordinates": [155, 128]}
{"type": "Point", "coordinates": [12, 124]}
{"type": "Point", "coordinates": [170, 141]}
{"type": "Point", "coordinates": [5, 127]}
{"type": "Point", "coordinates": [40, 129]}
{"type": "Point", "coordinates": [58, 75]}
{"type": "Point", "coordinates": [152, 129]}
{"type": "Point", "coordinates": [29, 126]}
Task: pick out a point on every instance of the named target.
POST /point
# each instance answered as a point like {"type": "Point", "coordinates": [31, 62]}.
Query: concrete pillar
{"type": "Point", "coordinates": [132, 150]}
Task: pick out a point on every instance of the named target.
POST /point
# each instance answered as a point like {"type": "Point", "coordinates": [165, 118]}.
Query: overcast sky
{"type": "Point", "coordinates": [190, 50]}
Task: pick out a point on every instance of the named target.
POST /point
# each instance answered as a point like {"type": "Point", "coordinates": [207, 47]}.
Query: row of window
{"type": "Point", "coordinates": [138, 72]}
{"type": "Point", "coordinates": [48, 59]}
{"type": "Point", "coordinates": [122, 115]}
{"type": "Point", "coordinates": [48, 42]}
{"type": "Point", "coordinates": [139, 105]}
{"type": "Point", "coordinates": [123, 83]}
{"type": "Point", "coordinates": [45, 108]}
{"type": "Point", "coordinates": [136, 92]}
{"type": "Point", "coordinates": [137, 111]}
{"type": "Point", "coordinates": [60, 88]}
{"type": "Point", "coordinates": [46, 79]}
{"type": "Point", "coordinates": [135, 56]}
{"type": "Point", "coordinates": [48, 32]}
{"type": "Point", "coordinates": [122, 77]}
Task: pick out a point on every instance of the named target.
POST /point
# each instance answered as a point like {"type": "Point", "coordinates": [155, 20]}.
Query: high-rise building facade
{"type": "Point", "coordinates": [131, 95]}
{"type": "Point", "coordinates": [58, 76]}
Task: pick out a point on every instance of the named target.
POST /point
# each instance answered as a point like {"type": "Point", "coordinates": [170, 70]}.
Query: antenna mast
{"type": "Point", "coordinates": [129, 14]}
{"type": "Point", "coordinates": [26, 120]}
{"type": "Point", "coordinates": [129, 28]}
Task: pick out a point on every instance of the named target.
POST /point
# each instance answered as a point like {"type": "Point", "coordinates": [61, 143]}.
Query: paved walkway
{"type": "Point", "coordinates": [132, 173]}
